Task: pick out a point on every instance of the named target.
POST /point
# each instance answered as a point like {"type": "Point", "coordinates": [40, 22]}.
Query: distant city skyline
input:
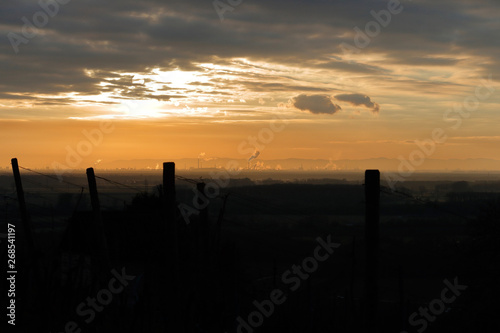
{"type": "Point", "coordinates": [289, 164]}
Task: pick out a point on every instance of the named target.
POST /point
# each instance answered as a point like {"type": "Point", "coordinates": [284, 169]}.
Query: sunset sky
{"type": "Point", "coordinates": [174, 80]}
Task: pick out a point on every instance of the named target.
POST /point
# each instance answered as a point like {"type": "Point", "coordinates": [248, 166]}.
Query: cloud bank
{"type": "Point", "coordinates": [359, 99]}
{"type": "Point", "coordinates": [316, 104]}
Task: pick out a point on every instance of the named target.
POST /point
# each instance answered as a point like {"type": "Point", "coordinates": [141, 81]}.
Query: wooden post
{"type": "Point", "coordinates": [158, 277]}
{"type": "Point", "coordinates": [22, 287]}
{"type": "Point", "coordinates": [172, 278]}
{"type": "Point", "coordinates": [102, 247]}
{"type": "Point", "coordinates": [169, 193]}
{"type": "Point", "coordinates": [169, 181]}
{"type": "Point", "coordinates": [25, 218]}
{"type": "Point", "coordinates": [372, 197]}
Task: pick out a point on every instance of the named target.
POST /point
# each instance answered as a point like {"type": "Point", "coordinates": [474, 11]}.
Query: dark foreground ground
{"type": "Point", "coordinates": [280, 256]}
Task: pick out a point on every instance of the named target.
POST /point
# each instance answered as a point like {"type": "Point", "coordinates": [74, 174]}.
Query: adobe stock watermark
{"type": "Point", "coordinates": [104, 297]}
{"type": "Point", "coordinates": [221, 179]}
{"type": "Point", "coordinates": [426, 148]}
{"type": "Point", "coordinates": [437, 306]}
{"type": "Point", "coordinates": [293, 279]}
{"type": "Point", "coordinates": [84, 148]}
{"type": "Point", "coordinates": [48, 9]}
{"type": "Point", "coordinates": [373, 28]}
{"type": "Point", "coordinates": [221, 7]}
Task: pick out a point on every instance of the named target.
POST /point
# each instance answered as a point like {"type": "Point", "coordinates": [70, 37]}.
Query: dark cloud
{"type": "Point", "coordinates": [316, 104]}
{"type": "Point", "coordinates": [359, 99]}
{"type": "Point", "coordinates": [125, 36]}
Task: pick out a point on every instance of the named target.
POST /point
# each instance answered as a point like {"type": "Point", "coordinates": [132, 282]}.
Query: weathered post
{"type": "Point", "coordinates": [25, 218]}
{"type": "Point", "coordinates": [28, 259]}
{"type": "Point", "coordinates": [169, 181]}
{"type": "Point", "coordinates": [372, 198]}
{"type": "Point", "coordinates": [172, 279]}
{"type": "Point", "coordinates": [169, 193]}
{"type": "Point", "coordinates": [102, 252]}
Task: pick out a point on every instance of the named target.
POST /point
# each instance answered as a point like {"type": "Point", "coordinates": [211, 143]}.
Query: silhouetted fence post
{"type": "Point", "coordinates": [22, 207]}
{"type": "Point", "coordinates": [169, 193]}
{"type": "Point", "coordinates": [102, 252]}
{"type": "Point", "coordinates": [169, 181]}
{"type": "Point", "coordinates": [171, 291]}
{"type": "Point", "coordinates": [31, 260]}
{"type": "Point", "coordinates": [372, 197]}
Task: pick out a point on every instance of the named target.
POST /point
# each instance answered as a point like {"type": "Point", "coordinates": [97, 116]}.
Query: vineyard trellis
{"type": "Point", "coordinates": [238, 198]}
